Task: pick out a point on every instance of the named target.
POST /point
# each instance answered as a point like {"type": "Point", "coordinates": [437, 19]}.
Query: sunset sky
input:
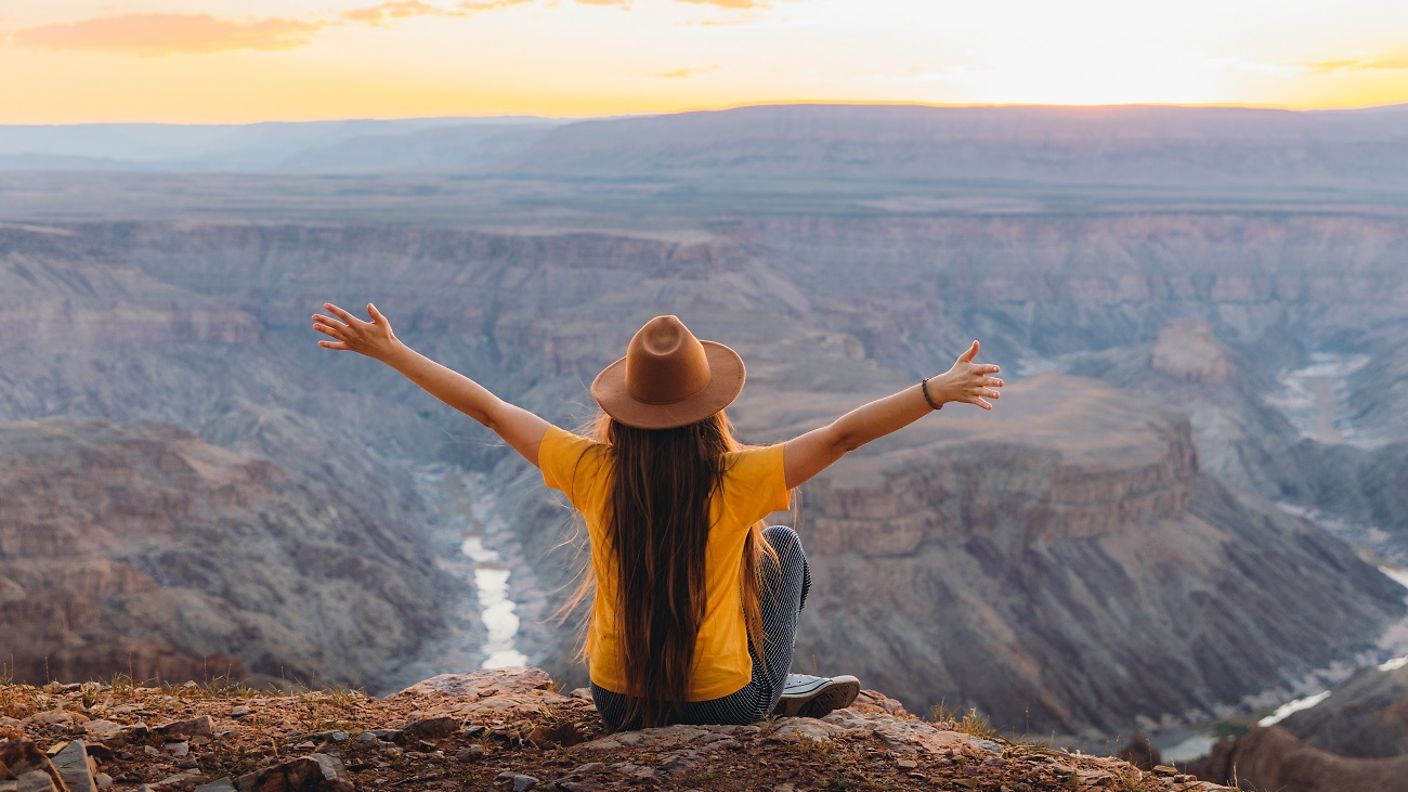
{"type": "Point", "coordinates": [66, 61]}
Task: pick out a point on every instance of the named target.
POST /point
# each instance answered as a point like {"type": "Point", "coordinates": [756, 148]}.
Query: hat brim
{"type": "Point", "coordinates": [726, 376]}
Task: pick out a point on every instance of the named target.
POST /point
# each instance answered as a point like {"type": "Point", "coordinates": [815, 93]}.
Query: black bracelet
{"type": "Point", "coordinates": [924, 386]}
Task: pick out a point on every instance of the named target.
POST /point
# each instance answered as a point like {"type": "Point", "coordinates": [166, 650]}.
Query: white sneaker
{"type": "Point", "coordinates": [807, 696]}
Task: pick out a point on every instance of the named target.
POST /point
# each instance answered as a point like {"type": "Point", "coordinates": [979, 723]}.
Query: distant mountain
{"type": "Point", "coordinates": [351, 146]}
{"type": "Point", "coordinates": [1110, 146]}
{"type": "Point", "coordinates": [1106, 146]}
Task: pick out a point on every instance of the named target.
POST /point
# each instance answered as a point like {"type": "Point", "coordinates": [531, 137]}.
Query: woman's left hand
{"type": "Point", "coordinates": [374, 339]}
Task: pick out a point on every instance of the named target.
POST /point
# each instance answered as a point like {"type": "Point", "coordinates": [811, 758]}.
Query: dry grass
{"type": "Point", "coordinates": [971, 722]}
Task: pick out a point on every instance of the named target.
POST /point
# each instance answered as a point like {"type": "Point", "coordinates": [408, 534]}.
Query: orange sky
{"type": "Point", "coordinates": [69, 61]}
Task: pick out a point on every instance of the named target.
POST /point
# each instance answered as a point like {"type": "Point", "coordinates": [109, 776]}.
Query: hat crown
{"type": "Point", "coordinates": [665, 363]}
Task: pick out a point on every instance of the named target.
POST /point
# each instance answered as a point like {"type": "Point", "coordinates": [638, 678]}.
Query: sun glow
{"type": "Point", "coordinates": [248, 60]}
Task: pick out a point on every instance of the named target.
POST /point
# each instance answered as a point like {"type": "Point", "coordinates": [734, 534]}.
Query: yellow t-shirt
{"type": "Point", "coordinates": [754, 486]}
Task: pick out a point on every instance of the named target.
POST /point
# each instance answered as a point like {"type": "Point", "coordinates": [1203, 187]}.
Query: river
{"type": "Point", "coordinates": [466, 524]}
{"type": "Point", "coordinates": [1315, 399]}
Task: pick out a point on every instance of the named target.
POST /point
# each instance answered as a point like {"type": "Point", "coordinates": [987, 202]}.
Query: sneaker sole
{"type": "Point", "coordinates": [840, 693]}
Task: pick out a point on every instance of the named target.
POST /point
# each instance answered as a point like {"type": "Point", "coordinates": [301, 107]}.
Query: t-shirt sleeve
{"type": "Point", "coordinates": [759, 483]}
{"type": "Point", "coordinates": [562, 458]}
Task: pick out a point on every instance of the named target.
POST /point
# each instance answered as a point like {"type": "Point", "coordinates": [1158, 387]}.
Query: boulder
{"type": "Point", "coordinates": [481, 684]}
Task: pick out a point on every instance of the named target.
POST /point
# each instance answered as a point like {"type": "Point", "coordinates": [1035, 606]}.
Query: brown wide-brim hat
{"type": "Point", "coordinates": [669, 378]}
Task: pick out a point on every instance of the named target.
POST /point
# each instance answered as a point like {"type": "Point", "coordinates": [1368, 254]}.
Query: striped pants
{"type": "Point", "coordinates": [783, 592]}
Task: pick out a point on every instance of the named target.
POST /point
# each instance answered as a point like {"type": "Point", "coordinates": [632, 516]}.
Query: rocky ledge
{"type": "Point", "coordinates": [503, 729]}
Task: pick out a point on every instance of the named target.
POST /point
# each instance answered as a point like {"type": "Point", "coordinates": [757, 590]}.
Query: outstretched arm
{"type": "Point", "coordinates": [519, 428]}
{"type": "Point", "coordinates": [806, 455]}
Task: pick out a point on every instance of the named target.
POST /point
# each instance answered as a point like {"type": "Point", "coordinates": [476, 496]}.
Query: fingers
{"type": "Point", "coordinates": [993, 382]}
{"type": "Point", "coordinates": [333, 344]}
{"type": "Point", "coordinates": [984, 403]}
{"type": "Point", "coordinates": [335, 332]}
{"type": "Point", "coordinates": [376, 316]}
{"type": "Point", "coordinates": [970, 353]}
{"type": "Point", "coordinates": [346, 317]}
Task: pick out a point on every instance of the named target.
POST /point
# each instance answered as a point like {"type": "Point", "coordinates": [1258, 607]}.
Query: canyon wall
{"type": "Point", "coordinates": [1098, 552]}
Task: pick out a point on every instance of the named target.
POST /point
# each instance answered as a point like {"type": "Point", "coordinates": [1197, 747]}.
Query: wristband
{"type": "Point", "coordinates": [924, 387]}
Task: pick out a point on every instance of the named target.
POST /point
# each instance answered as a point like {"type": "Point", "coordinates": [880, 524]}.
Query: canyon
{"type": "Point", "coordinates": [1142, 534]}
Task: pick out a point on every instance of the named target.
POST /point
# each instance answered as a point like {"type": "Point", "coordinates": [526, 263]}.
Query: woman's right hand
{"type": "Point", "coordinates": [970, 382]}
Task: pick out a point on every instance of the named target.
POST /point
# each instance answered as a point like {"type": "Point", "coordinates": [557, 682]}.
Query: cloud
{"type": "Point", "coordinates": [395, 9]}
{"type": "Point", "coordinates": [154, 34]}
{"type": "Point", "coordinates": [168, 34]}
{"type": "Point", "coordinates": [1332, 66]}
{"type": "Point", "coordinates": [490, 5]}
{"type": "Point", "coordinates": [729, 3]}
{"type": "Point", "coordinates": [161, 34]}
{"type": "Point", "coordinates": [687, 71]}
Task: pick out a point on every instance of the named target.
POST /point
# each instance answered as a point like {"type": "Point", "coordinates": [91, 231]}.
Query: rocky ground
{"type": "Point", "coordinates": [502, 729]}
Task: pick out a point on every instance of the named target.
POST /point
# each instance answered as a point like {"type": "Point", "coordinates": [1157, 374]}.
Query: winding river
{"type": "Point", "coordinates": [1315, 399]}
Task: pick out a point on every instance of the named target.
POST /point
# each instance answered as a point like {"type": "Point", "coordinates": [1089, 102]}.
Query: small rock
{"type": "Point", "coordinates": [35, 781]}
{"type": "Point", "coordinates": [102, 730]}
{"type": "Point", "coordinates": [563, 734]}
{"type": "Point", "coordinates": [806, 729]}
{"type": "Point", "coordinates": [220, 785]}
{"type": "Point", "coordinates": [677, 763]}
{"type": "Point", "coordinates": [584, 770]}
{"type": "Point", "coordinates": [581, 693]}
{"type": "Point", "coordinates": [53, 717]}
{"type": "Point", "coordinates": [103, 781]}
{"type": "Point", "coordinates": [178, 748]}
{"type": "Point", "coordinates": [985, 745]}
{"type": "Point", "coordinates": [633, 770]}
{"type": "Point", "coordinates": [190, 727]}
{"type": "Point", "coordinates": [430, 728]}
{"type": "Point", "coordinates": [470, 754]}
{"type": "Point", "coordinates": [1165, 770]}
{"type": "Point", "coordinates": [517, 781]}
{"type": "Point", "coordinates": [906, 764]}
{"type": "Point", "coordinates": [21, 757]}
{"type": "Point", "coordinates": [178, 780]}
{"type": "Point", "coordinates": [72, 765]}
{"type": "Point", "coordinates": [312, 773]}
{"type": "Point", "coordinates": [239, 712]}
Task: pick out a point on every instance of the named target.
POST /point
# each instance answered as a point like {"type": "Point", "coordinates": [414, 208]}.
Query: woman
{"type": "Point", "coordinates": [695, 606]}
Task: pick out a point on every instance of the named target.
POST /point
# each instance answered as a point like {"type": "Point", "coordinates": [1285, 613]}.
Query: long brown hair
{"type": "Point", "coordinates": [657, 531]}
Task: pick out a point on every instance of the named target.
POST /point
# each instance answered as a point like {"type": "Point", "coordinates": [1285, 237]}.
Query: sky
{"type": "Point", "coordinates": [238, 61]}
